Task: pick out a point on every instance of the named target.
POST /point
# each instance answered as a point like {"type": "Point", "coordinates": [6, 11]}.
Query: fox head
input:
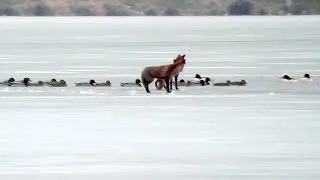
{"type": "Point", "coordinates": [180, 58]}
{"type": "Point", "coordinates": [180, 61]}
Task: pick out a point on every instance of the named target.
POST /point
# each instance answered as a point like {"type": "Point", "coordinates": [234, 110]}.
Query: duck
{"type": "Point", "coordinates": [107, 83]}
{"type": "Point", "coordinates": [205, 79]}
{"type": "Point", "coordinates": [306, 78]}
{"type": "Point", "coordinates": [238, 83]}
{"type": "Point", "coordinates": [61, 83]}
{"type": "Point", "coordinates": [137, 83]}
{"type": "Point", "coordinates": [227, 83]}
{"type": "Point", "coordinates": [51, 81]}
{"type": "Point", "coordinates": [23, 83]}
{"type": "Point", "coordinates": [199, 83]}
{"type": "Point", "coordinates": [39, 83]}
{"type": "Point", "coordinates": [5, 83]}
{"type": "Point", "coordinates": [287, 78]}
{"type": "Point", "coordinates": [86, 84]}
{"type": "Point", "coordinates": [182, 83]}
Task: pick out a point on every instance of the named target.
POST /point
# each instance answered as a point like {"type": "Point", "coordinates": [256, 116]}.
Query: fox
{"type": "Point", "coordinates": [163, 72]}
{"type": "Point", "coordinates": [160, 83]}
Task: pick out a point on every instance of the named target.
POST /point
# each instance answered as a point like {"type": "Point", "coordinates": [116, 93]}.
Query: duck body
{"type": "Point", "coordinates": [238, 83]}
{"type": "Point", "coordinates": [105, 84]}
{"type": "Point", "coordinates": [137, 83]}
{"type": "Point", "coordinates": [51, 81]}
{"type": "Point", "coordinates": [198, 78]}
{"type": "Point", "coordinates": [39, 83]}
{"type": "Point", "coordinates": [61, 83]}
{"type": "Point", "coordinates": [288, 79]}
{"type": "Point", "coordinates": [193, 83]}
{"type": "Point", "coordinates": [306, 78]}
{"type": "Point", "coordinates": [182, 82]}
{"type": "Point", "coordinates": [86, 84]}
{"type": "Point", "coordinates": [227, 83]}
{"type": "Point", "coordinates": [130, 85]}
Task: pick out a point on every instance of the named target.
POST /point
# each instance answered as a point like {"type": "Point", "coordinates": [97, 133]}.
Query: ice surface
{"type": "Point", "coordinates": [265, 130]}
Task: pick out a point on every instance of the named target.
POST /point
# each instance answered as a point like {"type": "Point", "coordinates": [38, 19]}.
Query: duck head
{"type": "Point", "coordinates": [108, 83]}
{"type": "Point", "coordinates": [198, 76]}
{"type": "Point", "coordinates": [53, 80]}
{"type": "Point", "coordinates": [286, 77]}
{"type": "Point", "coordinates": [228, 82]}
{"type": "Point", "coordinates": [182, 81]}
{"type": "Point", "coordinates": [26, 81]}
{"type": "Point", "coordinates": [243, 82]}
{"type": "Point", "coordinates": [92, 82]}
{"type": "Point", "coordinates": [138, 81]}
{"type": "Point", "coordinates": [11, 80]}
{"type": "Point", "coordinates": [307, 76]}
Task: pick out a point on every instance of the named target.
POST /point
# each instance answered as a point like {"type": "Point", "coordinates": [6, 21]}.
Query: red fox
{"type": "Point", "coordinates": [160, 83]}
{"type": "Point", "coordinates": [163, 72]}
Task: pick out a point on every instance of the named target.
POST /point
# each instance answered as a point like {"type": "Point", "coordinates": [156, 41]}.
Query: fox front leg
{"type": "Point", "coordinates": [167, 85]}
{"type": "Point", "coordinates": [176, 82]}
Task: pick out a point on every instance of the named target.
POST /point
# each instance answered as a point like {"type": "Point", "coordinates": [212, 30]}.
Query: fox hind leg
{"type": "Point", "coordinates": [146, 79]}
{"type": "Point", "coordinates": [146, 85]}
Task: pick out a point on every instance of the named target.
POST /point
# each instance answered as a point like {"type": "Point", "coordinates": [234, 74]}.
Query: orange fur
{"type": "Point", "coordinates": [164, 72]}
{"type": "Point", "coordinates": [160, 83]}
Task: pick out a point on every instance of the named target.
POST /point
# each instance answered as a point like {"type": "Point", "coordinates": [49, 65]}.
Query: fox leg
{"type": "Point", "coordinates": [176, 82]}
{"type": "Point", "coordinates": [171, 84]}
{"type": "Point", "coordinates": [167, 85]}
{"type": "Point", "coordinates": [146, 78]}
{"type": "Point", "coordinates": [146, 85]}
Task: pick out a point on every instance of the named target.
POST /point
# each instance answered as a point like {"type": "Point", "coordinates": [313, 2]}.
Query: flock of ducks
{"type": "Point", "coordinates": [204, 81]}
{"type": "Point", "coordinates": [305, 78]}
{"type": "Point", "coordinates": [196, 81]}
{"type": "Point", "coordinates": [26, 82]}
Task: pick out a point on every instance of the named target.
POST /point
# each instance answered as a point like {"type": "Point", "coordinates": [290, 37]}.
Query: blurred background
{"type": "Point", "coordinates": [157, 7]}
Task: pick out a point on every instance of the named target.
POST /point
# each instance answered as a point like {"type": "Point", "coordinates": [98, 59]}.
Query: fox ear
{"type": "Point", "coordinates": [183, 55]}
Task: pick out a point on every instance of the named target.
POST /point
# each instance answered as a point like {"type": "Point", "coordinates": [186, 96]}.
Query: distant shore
{"type": "Point", "coordinates": [157, 7]}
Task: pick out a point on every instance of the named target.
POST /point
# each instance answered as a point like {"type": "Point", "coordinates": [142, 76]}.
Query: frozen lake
{"type": "Point", "coordinates": [265, 130]}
